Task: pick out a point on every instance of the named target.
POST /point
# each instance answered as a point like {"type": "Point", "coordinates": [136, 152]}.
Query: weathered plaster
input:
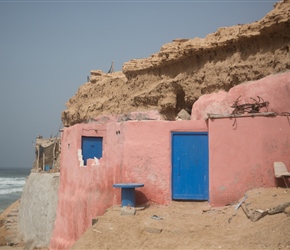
{"type": "Point", "coordinates": [84, 192]}
{"type": "Point", "coordinates": [242, 156]}
{"type": "Point", "coordinates": [133, 151]}
{"type": "Point", "coordinates": [37, 210]}
{"type": "Point", "coordinates": [147, 156]}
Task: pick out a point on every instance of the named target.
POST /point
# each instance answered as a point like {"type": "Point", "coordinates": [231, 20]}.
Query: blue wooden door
{"type": "Point", "coordinates": [92, 147]}
{"type": "Point", "coordinates": [190, 165]}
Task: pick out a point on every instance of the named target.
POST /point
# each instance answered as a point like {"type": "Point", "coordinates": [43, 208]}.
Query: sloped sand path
{"type": "Point", "coordinates": [192, 225]}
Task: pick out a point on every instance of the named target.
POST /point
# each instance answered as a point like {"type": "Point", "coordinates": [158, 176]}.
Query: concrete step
{"type": "Point", "coordinates": [12, 240]}
{"type": "Point", "coordinates": [12, 215]}
{"type": "Point", "coordinates": [11, 220]}
{"type": "Point", "coordinates": [11, 227]}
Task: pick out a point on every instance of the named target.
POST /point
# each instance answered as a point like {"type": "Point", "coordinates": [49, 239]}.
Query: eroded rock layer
{"type": "Point", "coordinates": [183, 70]}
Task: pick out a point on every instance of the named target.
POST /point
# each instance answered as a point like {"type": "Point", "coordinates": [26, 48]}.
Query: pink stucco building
{"type": "Point", "coordinates": [201, 159]}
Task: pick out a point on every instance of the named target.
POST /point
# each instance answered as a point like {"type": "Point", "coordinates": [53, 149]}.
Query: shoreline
{"type": "Point", "coordinates": [4, 209]}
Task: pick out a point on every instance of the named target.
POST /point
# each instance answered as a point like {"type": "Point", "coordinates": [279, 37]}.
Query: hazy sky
{"type": "Point", "coordinates": [48, 49]}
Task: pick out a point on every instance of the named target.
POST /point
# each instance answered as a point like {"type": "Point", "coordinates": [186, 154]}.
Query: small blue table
{"type": "Point", "coordinates": [128, 192]}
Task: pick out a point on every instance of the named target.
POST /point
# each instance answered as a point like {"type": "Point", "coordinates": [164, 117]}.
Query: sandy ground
{"type": "Point", "coordinates": [8, 223]}
{"type": "Point", "coordinates": [193, 225]}
{"type": "Point", "coordinates": [185, 225]}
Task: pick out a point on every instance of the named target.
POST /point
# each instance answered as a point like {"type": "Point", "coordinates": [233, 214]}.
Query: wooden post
{"type": "Point", "coordinates": [37, 158]}
{"type": "Point", "coordinates": [43, 158]}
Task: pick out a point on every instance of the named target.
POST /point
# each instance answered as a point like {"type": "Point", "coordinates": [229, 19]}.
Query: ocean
{"type": "Point", "coordinates": [12, 181]}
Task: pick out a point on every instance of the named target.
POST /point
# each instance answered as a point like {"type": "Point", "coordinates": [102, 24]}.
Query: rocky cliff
{"type": "Point", "coordinates": [183, 70]}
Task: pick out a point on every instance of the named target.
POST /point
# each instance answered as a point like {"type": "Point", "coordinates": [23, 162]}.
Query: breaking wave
{"type": "Point", "coordinates": [11, 185]}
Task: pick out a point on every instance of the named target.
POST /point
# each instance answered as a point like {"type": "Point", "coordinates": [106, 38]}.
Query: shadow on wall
{"type": "Point", "coordinates": [141, 198]}
{"type": "Point", "coordinates": [281, 183]}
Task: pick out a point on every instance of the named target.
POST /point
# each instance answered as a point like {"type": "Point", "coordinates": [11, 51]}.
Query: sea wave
{"type": "Point", "coordinates": [11, 190]}
{"type": "Point", "coordinates": [12, 181]}
{"type": "Point", "coordinates": [19, 181]}
{"type": "Point", "coordinates": [11, 185]}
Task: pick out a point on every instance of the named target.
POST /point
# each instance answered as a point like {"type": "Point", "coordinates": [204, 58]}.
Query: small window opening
{"type": "Point", "coordinates": [92, 147]}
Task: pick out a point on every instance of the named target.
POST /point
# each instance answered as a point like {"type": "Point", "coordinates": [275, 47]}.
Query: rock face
{"type": "Point", "coordinates": [183, 70]}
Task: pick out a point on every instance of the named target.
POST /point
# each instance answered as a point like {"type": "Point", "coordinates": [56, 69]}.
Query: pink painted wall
{"type": "Point", "coordinates": [242, 156]}
{"type": "Point", "coordinates": [84, 192]}
{"type": "Point", "coordinates": [147, 156]}
{"type": "Point", "coordinates": [133, 151]}
{"type": "Point", "coordinates": [274, 88]}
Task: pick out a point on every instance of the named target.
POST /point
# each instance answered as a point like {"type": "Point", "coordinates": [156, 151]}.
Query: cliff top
{"type": "Point", "coordinates": [183, 70]}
